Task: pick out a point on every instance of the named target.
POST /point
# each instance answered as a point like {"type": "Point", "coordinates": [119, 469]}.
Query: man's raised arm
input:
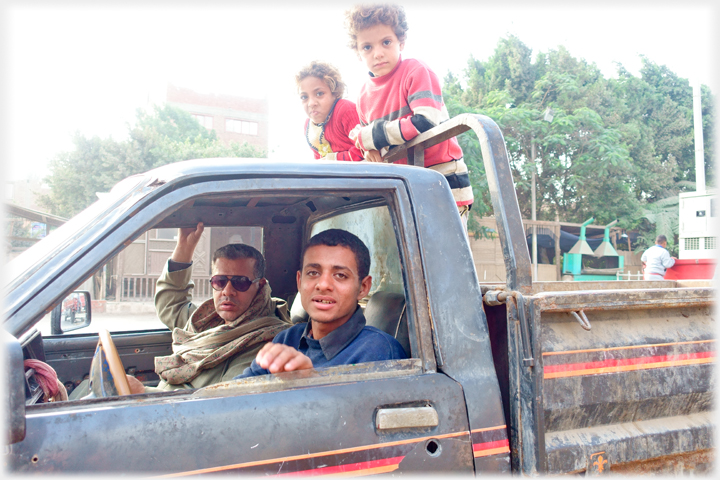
{"type": "Point", "coordinates": [188, 239]}
{"type": "Point", "coordinates": [173, 301]}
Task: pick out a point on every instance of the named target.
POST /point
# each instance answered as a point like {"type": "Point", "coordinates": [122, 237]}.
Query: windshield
{"type": "Point", "coordinates": [22, 265]}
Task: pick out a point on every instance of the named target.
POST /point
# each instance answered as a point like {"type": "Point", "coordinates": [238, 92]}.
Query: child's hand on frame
{"type": "Point", "coordinates": [353, 134]}
{"type": "Point", "coordinates": [373, 156]}
{"type": "Point", "coordinates": [358, 133]}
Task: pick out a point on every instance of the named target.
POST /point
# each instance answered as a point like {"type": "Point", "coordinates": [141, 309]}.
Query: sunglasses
{"type": "Point", "coordinates": [239, 283]}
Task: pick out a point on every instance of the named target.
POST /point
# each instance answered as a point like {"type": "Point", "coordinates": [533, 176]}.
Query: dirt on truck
{"type": "Point", "coordinates": [515, 378]}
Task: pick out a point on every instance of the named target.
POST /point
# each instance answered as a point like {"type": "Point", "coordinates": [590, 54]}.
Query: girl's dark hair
{"type": "Point", "coordinates": [325, 72]}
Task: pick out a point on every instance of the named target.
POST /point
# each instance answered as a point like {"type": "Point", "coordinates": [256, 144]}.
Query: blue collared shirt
{"type": "Point", "coordinates": [350, 343]}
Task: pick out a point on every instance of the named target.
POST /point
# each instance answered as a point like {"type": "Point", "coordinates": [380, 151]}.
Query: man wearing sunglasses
{"type": "Point", "coordinates": [218, 339]}
{"type": "Point", "coordinates": [332, 279]}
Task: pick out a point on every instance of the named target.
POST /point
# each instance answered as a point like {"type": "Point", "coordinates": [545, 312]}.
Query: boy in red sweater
{"type": "Point", "coordinates": [330, 117]}
{"type": "Point", "coordinates": [402, 98]}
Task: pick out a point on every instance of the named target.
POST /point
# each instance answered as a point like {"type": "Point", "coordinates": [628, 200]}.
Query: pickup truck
{"type": "Point", "coordinates": [523, 378]}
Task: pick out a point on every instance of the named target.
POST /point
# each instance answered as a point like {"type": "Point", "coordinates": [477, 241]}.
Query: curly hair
{"type": "Point", "coordinates": [325, 72]}
{"type": "Point", "coordinates": [361, 17]}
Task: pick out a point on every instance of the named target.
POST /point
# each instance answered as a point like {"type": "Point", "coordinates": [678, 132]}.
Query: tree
{"type": "Point", "coordinates": [94, 165]}
{"type": "Point", "coordinates": [569, 152]}
{"type": "Point", "coordinates": [613, 146]}
{"type": "Point", "coordinates": [167, 135]}
{"type": "Point", "coordinates": [655, 113]}
{"type": "Point", "coordinates": [660, 218]}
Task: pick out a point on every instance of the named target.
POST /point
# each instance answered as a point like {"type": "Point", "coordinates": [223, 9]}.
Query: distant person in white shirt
{"type": "Point", "coordinates": [656, 260]}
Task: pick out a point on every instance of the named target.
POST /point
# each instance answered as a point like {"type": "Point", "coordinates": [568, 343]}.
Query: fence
{"type": "Point", "coordinates": [141, 288]}
{"type": "Point", "coordinates": [630, 276]}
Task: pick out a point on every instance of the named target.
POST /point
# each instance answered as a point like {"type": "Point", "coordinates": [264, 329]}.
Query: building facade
{"type": "Point", "coordinates": [234, 119]}
{"type": "Point", "coordinates": [698, 225]}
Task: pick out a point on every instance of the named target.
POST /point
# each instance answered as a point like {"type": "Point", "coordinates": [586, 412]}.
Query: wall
{"type": "Point", "coordinates": [221, 107]}
{"type": "Point", "coordinates": [490, 264]}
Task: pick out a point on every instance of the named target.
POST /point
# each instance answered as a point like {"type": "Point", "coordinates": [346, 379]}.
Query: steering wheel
{"type": "Point", "coordinates": [107, 375]}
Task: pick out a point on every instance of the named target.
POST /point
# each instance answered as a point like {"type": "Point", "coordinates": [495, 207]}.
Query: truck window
{"type": "Point", "coordinates": [123, 290]}
{"type": "Point", "coordinates": [385, 305]}
{"type": "Point", "coordinates": [373, 226]}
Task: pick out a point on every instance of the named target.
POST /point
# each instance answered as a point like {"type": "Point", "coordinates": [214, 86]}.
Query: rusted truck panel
{"type": "Point", "coordinates": [637, 385]}
{"type": "Point", "coordinates": [599, 380]}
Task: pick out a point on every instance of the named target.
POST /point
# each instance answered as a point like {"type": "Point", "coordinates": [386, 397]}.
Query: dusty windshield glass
{"type": "Point", "coordinates": [32, 236]}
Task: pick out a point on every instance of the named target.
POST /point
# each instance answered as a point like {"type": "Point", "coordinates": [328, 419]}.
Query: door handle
{"type": "Point", "coordinates": [413, 417]}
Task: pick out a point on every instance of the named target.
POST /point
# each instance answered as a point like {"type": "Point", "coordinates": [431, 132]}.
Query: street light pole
{"type": "Point", "coordinates": [699, 149]}
{"type": "Point", "coordinates": [534, 217]}
{"type": "Point", "coordinates": [548, 117]}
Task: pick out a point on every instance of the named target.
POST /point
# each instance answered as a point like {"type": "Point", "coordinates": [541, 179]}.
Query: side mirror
{"type": "Point", "coordinates": [13, 397]}
{"type": "Point", "coordinates": [72, 313]}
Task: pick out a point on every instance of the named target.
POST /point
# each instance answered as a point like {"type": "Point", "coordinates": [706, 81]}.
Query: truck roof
{"type": "Point", "coordinates": [244, 166]}
{"type": "Point", "coordinates": [146, 192]}
{"type": "Point", "coordinates": [154, 183]}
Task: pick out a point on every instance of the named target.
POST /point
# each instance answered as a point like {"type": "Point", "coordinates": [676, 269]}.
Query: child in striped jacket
{"type": "Point", "coordinates": [402, 98]}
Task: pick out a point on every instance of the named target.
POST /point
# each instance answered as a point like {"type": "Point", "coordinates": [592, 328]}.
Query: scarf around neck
{"type": "Point", "coordinates": [208, 341]}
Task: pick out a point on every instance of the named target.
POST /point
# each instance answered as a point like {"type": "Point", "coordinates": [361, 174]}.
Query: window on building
{"type": "Point", "coordinates": [710, 243]}
{"type": "Point", "coordinates": [205, 120]}
{"type": "Point", "coordinates": [166, 234]}
{"type": "Point", "coordinates": [241, 126]}
{"type": "Point", "coordinates": [249, 128]}
{"type": "Point", "coordinates": [692, 244]}
{"type": "Point", "coordinates": [232, 125]}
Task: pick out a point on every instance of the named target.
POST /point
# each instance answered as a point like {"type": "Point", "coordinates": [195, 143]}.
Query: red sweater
{"type": "Point", "coordinates": [343, 119]}
{"type": "Point", "coordinates": [399, 106]}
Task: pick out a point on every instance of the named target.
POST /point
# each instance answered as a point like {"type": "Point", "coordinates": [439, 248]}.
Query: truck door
{"type": "Point", "coordinates": [380, 417]}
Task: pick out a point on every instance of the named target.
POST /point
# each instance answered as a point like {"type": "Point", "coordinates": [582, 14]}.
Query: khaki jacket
{"type": "Point", "coordinates": [173, 303]}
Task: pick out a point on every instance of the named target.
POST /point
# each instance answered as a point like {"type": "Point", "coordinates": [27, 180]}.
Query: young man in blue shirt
{"type": "Point", "coordinates": [333, 278]}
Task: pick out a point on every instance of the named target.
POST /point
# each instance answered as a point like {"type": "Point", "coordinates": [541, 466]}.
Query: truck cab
{"type": "Point", "coordinates": [528, 378]}
{"type": "Point", "coordinates": [375, 417]}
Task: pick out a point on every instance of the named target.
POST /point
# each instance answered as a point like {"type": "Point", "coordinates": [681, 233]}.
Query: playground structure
{"type": "Point", "coordinates": [582, 264]}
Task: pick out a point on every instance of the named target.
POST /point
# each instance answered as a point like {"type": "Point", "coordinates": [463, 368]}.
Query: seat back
{"type": "Point", "coordinates": [386, 311]}
{"type": "Point", "coordinates": [297, 312]}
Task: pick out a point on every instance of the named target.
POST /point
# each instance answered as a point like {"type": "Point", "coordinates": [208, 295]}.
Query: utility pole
{"type": "Point", "coordinates": [534, 217]}
{"type": "Point", "coordinates": [548, 117]}
{"type": "Point", "coordinates": [699, 148]}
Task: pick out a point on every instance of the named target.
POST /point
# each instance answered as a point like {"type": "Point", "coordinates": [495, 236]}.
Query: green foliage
{"type": "Point", "coordinates": [612, 149]}
{"type": "Point", "coordinates": [660, 218]}
{"type": "Point", "coordinates": [167, 135]}
{"type": "Point", "coordinates": [510, 69]}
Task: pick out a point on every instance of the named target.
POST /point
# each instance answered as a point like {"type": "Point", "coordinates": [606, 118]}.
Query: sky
{"type": "Point", "coordinates": [76, 66]}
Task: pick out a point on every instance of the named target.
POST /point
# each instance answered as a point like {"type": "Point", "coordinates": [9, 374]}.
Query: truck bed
{"type": "Point", "coordinates": [538, 287]}
{"type": "Point", "coordinates": [610, 376]}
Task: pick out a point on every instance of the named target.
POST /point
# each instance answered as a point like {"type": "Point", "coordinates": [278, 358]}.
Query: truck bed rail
{"type": "Point", "coordinates": [518, 267]}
